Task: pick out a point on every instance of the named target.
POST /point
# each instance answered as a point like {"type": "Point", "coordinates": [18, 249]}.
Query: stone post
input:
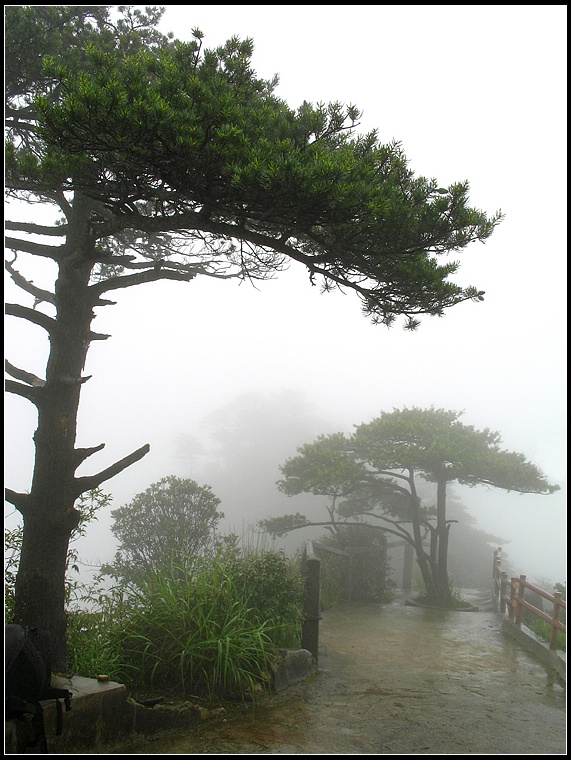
{"type": "Point", "coordinates": [311, 616]}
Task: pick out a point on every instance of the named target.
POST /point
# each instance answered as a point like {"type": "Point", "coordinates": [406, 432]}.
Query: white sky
{"type": "Point", "coordinates": [473, 92]}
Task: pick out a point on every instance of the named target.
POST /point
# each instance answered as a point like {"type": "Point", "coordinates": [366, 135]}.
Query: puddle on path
{"type": "Point", "coordinates": [397, 680]}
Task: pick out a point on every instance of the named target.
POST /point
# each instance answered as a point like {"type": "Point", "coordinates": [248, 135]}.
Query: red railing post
{"type": "Point", "coordinates": [555, 619]}
{"type": "Point", "coordinates": [503, 592]}
{"type": "Point", "coordinates": [512, 605]}
{"type": "Point", "coordinates": [519, 600]}
{"type": "Point", "coordinates": [496, 577]}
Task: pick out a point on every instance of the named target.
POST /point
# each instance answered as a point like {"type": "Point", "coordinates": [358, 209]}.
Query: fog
{"type": "Point", "coordinates": [203, 370]}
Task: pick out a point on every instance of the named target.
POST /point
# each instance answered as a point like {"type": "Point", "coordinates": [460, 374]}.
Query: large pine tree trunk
{"type": "Point", "coordinates": [40, 583]}
{"type": "Point", "coordinates": [442, 530]}
{"type": "Point", "coordinates": [421, 557]}
{"type": "Point", "coordinates": [48, 511]}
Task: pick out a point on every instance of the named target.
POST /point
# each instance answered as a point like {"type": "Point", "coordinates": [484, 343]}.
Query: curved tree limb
{"type": "Point", "coordinates": [29, 287]}
{"type": "Point", "coordinates": [190, 220]}
{"type": "Point", "coordinates": [81, 485]}
{"type": "Point", "coordinates": [22, 390]}
{"type": "Point", "coordinates": [37, 317]}
{"type": "Point", "coordinates": [37, 229]}
{"type": "Point", "coordinates": [21, 374]}
{"type": "Point", "coordinates": [37, 249]}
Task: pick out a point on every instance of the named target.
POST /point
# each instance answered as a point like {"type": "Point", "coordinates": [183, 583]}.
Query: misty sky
{"type": "Point", "coordinates": [472, 92]}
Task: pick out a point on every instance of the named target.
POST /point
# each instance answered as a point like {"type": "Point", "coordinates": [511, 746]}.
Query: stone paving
{"type": "Point", "coordinates": [396, 679]}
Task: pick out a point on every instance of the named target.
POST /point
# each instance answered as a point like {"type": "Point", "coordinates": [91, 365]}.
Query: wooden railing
{"type": "Point", "coordinates": [509, 599]}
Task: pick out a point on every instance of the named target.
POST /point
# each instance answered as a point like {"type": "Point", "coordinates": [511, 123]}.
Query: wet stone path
{"type": "Point", "coordinates": [395, 679]}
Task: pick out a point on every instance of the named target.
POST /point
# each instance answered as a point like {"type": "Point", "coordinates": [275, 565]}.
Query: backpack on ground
{"type": "Point", "coordinates": [28, 680]}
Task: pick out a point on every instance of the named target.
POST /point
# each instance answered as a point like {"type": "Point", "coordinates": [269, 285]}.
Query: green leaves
{"type": "Point", "coordinates": [280, 526]}
{"type": "Point", "coordinates": [170, 126]}
{"type": "Point", "coordinates": [437, 445]}
{"type": "Point", "coordinates": [324, 467]}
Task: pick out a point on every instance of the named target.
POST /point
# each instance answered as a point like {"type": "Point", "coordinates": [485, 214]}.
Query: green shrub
{"type": "Point", "coordinates": [364, 576]}
{"type": "Point", "coordinates": [196, 634]}
{"type": "Point", "coordinates": [208, 628]}
{"type": "Point", "coordinates": [274, 588]}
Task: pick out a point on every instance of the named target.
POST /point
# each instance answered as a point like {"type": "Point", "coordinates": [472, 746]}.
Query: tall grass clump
{"type": "Point", "coordinates": [92, 649]}
{"type": "Point", "coordinates": [211, 628]}
{"type": "Point", "coordinates": [96, 619]}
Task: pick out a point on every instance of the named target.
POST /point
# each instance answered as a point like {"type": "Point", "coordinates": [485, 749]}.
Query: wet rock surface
{"type": "Point", "coordinates": [396, 679]}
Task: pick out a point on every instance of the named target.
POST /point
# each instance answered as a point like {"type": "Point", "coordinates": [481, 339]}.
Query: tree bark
{"type": "Point", "coordinates": [421, 558]}
{"type": "Point", "coordinates": [49, 514]}
{"type": "Point", "coordinates": [442, 530]}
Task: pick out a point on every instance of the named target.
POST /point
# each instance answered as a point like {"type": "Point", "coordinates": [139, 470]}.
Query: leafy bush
{"type": "Point", "coordinates": [274, 588]}
{"type": "Point", "coordinates": [208, 628]}
{"type": "Point", "coordinates": [173, 521]}
{"type": "Point", "coordinates": [363, 574]}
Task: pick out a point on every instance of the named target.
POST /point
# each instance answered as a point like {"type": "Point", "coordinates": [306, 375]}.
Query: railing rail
{"type": "Point", "coordinates": [509, 599]}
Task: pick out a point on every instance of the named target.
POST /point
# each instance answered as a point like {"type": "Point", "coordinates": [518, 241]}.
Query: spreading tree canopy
{"type": "Point", "coordinates": [165, 160]}
{"type": "Point", "coordinates": [370, 477]}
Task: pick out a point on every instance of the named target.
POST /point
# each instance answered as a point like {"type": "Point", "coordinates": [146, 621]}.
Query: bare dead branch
{"type": "Point", "coordinates": [29, 287]}
{"type": "Point", "coordinates": [26, 377]}
{"type": "Point", "coordinates": [104, 302]}
{"type": "Point", "coordinates": [37, 249]}
{"type": "Point", "coordinates": [37, 317]}
{"type": "Point", "coordinates": [19, 500]}
{"type": "Point", "coordinates": [19, 389]}
{"type": "Point", "coordinates": [37, 229]}
{"type": "Point", "coordinates": [93, 481]}
{"type": "Point", "coordinates": [74, 380]}
{"type": "Point", "coordinates": [151, 275]}
{"type": "Point", "coordinates": [81, 454]}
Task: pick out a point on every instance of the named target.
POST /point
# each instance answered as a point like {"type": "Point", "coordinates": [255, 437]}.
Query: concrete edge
{"type": "Point", "coordinates": [555, 660]}
{"type": "Point", "coordinates": [104, 716]}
